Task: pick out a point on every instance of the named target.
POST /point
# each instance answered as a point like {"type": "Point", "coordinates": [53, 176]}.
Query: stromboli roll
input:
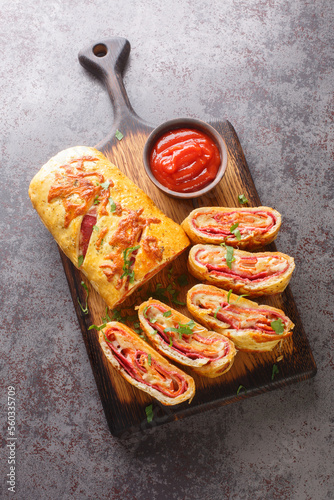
{"type": "Point", "coordinates": [143, 367]}
{"type": "Point", "coordinates": [249, 325]}
{"type": "Point", "coordinates": [182, 340]}
{"type": "Point", "coordinates": [263, 273]}
{"type": "Point", "coordinates": [251, 227]}
{"type": "Point", "coordinates": [103, 222]}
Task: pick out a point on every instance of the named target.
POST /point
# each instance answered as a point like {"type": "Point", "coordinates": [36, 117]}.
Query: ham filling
{"type": "Point", "coordinates": [237, 316]}
{"type": "Point", "coordinates": [143, 368]}
{"type": "Point", "coordinates": [193, 346]}
{"type": "Point", "coordinates": [250, 223]}
{"type": "Point", "coordinates": [252, 268]}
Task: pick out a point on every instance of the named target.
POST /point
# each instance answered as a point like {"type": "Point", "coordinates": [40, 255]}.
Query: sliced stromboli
{"type": "Point", "coordinates": [262, 273]}
{"type": "Point", "coordinates": [103, 222]}
{"type": "Point", "coordinates": [143, 367]}
{"type": "Point", "coordinates": [251, 326]}
{"type": "Point", "coordinates": [182, 340]}
{"type": "Point", "coordinates": [244, 228]}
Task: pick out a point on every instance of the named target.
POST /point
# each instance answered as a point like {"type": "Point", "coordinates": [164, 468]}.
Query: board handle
{"type": "Point", "coordinates": [107, 59]}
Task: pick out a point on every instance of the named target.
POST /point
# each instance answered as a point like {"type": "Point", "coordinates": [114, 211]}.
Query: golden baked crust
{"type": "Point", "coordinates": [205, 352]}
{"type": "Point", "coordinates": [255, 274]}
{"type": "Point", "coordinates": [253, 227]}
{"type": "Point", "coordinates": [246, 323]}
{"type": "Point", "coordinates": [143, 367]}
{"type": "Point", "coordinates": [131, 239]}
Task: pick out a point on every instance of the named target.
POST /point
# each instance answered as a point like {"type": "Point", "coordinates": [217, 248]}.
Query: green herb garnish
{"type": "Point", "coordinates": [117, 316]}
{"type": "Point", "coordinates": [149, 413]}
{"type": "Point", "coordinates": [182, 280]}
{"type": "Point", "coordinates": [80, 260]}
{"type": "Point", "coordinates": [278, 326]}
{"type": "Point", "coordinates": [242, 199]}
{"type": "Point", "coordinates": [84, 309]}
{"type": "Point", "coordinates": [170, 341]}
{"type": "Point", "coordinates": [96, 200]}
{"type": "Point", "coordinates": [127, 271]}
{"type": "Point", "coordinates": [182, 329]}
{"type": "Point", "coordinates": [229, 256]}
{"type": "Point", "coordinates": [228, 296]}
{"type": "Point", "coordinates": [240, 296]}
{"type": "Point", "coordinates": [98, 328]}
{"type": "Point", "coordinates": [145, 312]}
{"type": "Point", "coordinates": [274, 372]}
{"type": "Point", "coordinates": [216, 311]}
{"type": "Point", "coordinates": [170, 272]}
{"type": "Point", "coordinates": [119, 135]}
{"type": "Point", "coordinates": [96, 228]}
{"type": "Point", "coordinates": [241, 388]}
{"type": "Point", "coordinates": [106, 318]}
{"type": "Point", "coordinates": [235, 231]}
{"type": "Point", "coordinates": [149, 359]}
{"type": "Point", "coordinates": [112, 205]}
{"type": "Point", "coordinates": [166, 314]}
{"type": "Point", "coordinates": [105, 185]}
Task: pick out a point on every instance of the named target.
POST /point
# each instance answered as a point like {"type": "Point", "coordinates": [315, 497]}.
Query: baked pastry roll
{"type": "Point", "coordinates": [182, 340]}
{"type": "Point", "coordinates": [143, 367]}
{"type": "Point", "coordinates": [252, 327]}
{"type": "Point", "coordinates": [103, 222]}
{"type": "Point", "coordinates": [263, 273]}
{"type": "Point", "coordinates": [245, 228]}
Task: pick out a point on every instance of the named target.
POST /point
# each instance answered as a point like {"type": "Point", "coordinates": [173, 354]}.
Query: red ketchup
{"type": "Point", "coordinates": [185, 160]}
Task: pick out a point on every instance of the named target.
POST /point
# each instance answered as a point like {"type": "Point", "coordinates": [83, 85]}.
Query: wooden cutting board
{"type": "Point", "coordinates": [123, 404]}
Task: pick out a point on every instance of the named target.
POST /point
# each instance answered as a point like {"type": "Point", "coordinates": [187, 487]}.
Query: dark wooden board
{"type": "Point", "coordinates": [123, 404]}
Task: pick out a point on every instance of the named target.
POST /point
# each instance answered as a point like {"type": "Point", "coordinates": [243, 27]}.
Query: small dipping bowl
{"type": "Point", "coordinates": [189, 123]}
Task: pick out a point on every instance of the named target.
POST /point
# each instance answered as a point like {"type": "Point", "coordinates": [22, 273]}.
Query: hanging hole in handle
{"type": "Point", "coordinates": [100, 50]}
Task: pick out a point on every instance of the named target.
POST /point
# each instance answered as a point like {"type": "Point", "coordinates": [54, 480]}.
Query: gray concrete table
{"type": "Point", "coordinates": [265, 65]}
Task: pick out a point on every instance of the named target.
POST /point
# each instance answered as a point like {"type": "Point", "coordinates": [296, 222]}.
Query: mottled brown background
{"type": "Point", "coordinates": [267, 66]}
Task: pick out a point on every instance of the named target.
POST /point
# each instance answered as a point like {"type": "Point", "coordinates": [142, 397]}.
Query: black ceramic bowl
{"type": "Point", "coordinates": [192, 124]}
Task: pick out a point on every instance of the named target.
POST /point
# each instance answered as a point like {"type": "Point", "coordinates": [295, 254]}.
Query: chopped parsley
{"type": "Point", "coordinates": [106, 318]}
{"type": "Point", "coordinates": [149, 357]}
{"type": "Point", "coordinates": [98, 328]}
{"type": "Point", "coordinates": [80, 260]}
{"type": "Point", "coordinates": [119, 135]}
{"type": "Point", "coordinates": [216, 311]}
{"type": "Point", "coordinates": [274, 372]}
{"type": "Point", "coordinates": [170, 272]}
{"type": "Point", "coordinates": [167, 314]}
{"type": "Point", "coordinates": [127, 271]}
{"type": "Point", "coordinates": [235, 231]}
{"type": "Point", "coordinates": [117, 316]}
{"type": "Point", "coordinates": [96, 200]}
{"type": "Point", "coordinates": [242, 199]}
{"type": "Point", "coordinates": [278, 326]}
{"type": "Point", "coordinates": [241, 388]}
{"type": "Point", "coordinates": [240, 296]}
{"type": "Point", "coordinates": [182, 280]}
{"type": "Point", "coordinates": [112, 205]}
{"type": "Point", "coordinates": [105, 185]}
{"type": "Point", "coordinates": [229, 256]}
{"type": "Point", "coordinates": [228, 296]}
{"type": "Point", "coordinates": [96, 228]}
{"type": "Point", "coordinates": [84, 309]}
{"type": "Point", "coordinates": [149, 413]}
{"type": "Point", "coordinates": [182, 329]}
{"type": "Point", "coordinates": [145, 312]}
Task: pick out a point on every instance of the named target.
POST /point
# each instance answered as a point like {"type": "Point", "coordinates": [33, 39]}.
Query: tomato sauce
{"type": "Point", "coordinates": [185, 160]}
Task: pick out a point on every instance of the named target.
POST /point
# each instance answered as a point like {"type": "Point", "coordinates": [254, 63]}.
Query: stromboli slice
{"type": "Point", "coordinates": [182, 340]}
{"type": "Point", "coordinates": [103, 222]}
{"type": "Point", "coordinates": [256, 226]}
{"type": "Point", "coordinates": [246, 323]}
{"type": "Point", "coordinates": [143, 367]}
{"type": "Point", "coordinates": [262, 273]}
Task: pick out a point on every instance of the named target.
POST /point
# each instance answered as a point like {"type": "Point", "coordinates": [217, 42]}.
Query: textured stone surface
{"type": "Point", "coordinates": [265, 65]}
